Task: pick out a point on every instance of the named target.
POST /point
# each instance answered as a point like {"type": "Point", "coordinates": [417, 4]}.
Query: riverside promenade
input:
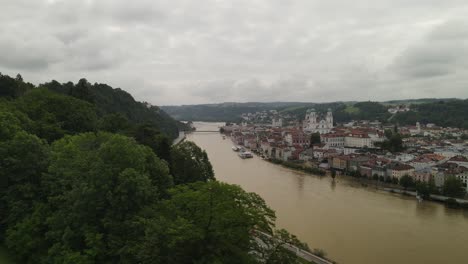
{"type": "Point", "coordinates": [305, 255]}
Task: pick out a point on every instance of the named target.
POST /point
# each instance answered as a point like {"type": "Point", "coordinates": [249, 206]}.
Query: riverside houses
{"type": "Point", "coordinates": [354, 146]}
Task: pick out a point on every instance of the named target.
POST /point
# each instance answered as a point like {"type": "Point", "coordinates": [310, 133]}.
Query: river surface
{"type": "Point", "coordinates": [353, 224]}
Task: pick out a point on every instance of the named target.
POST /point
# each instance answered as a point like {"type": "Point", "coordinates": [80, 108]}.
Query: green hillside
{"type": "Point", "coordinates": [443, 112]}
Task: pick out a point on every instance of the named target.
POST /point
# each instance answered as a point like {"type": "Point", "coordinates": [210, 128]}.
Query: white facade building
{"type": "Point", "coordinates": [277, 122]}
{"type": "Point", "coordinates": [314, 123]}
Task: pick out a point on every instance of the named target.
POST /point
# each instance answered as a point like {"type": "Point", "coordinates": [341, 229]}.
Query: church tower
{"type": "Point", "coordinates": [329, 118]}
{"type": "Point", "coordinates": [313, 123]}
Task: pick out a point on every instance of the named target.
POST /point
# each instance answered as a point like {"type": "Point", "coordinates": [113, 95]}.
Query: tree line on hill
{"type": "Point", "coordinates": [443, 112]}
{"type": "Point", "coordinates": [88, 175]}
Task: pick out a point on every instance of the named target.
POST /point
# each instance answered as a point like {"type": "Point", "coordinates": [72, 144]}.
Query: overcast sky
{"type": "Point", "coordinates": [210, 51]}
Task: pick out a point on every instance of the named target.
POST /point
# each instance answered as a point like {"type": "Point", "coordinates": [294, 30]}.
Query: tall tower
{"type": "Point", "coordinates": [329, 118]}
{"type": "Point", "coordinates": [313, 117]}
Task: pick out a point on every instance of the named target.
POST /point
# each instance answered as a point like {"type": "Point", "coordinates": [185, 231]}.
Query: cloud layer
{"type": "Point", "coordinates": [186, 52]}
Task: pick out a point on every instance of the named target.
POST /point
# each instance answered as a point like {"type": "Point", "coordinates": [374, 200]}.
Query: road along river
{"type": "Point", "coordinates": [353, 224]}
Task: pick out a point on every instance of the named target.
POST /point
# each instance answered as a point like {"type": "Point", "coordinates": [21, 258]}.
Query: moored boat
{"type": "Point", "coordinates": [235, 148]}
{"type": "Point", "coordinates": [245, 155]}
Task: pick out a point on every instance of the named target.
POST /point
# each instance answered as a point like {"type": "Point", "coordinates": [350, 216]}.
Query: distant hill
{"type": "Point", "coordinates": [452, 113]}
{"type": "Point", "coordinates": [444, 112]}
{"type": "Point", "coordinates": [106, 100]}
{"type": "Point", "coordinates": [224, 112]}
{"type": "Point", "coordinates": [417, 101]}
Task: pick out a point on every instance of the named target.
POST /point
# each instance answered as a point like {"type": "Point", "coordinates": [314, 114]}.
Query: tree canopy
{"type": "Point", "coordinates": [453, 187]}
{"type": "Point", "coordinates": [190, 163]}
{"type": "Point", "coordinates": [79, 184]}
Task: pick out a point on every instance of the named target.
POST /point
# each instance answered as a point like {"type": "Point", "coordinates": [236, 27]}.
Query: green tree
{"type": "Point", "coordinates": [190, 163]}
{"type": "Point", "coordinates": [406, 181]}
{"type": "Point", "coordinates": [13, 87]}
{"type": "Point", "coordinates": [163, 147]}
{"type": "Point", "coordinates": [23, 160]}
{"type": "Point", "coordinates": [453, 187]}
{"type": "Point", "coordinates": [82, 90]}
{"type": "Point", "coordinates": [97, 184]}
{"type": "Point", "coordinates": [393, 143]}
{"type": "Point", "coordinates": [56, 115]}
{"type": "Point", "coordinates": [272, 250]}
{"type": "Point", "coordinates": [423, 189]}
{"type": "Point", "coordinates": [315, 138]}
{"type": "Point", "coordinates": [114, 123]}
{"type": "Point", "coordinates": [209, 222]}
{"type": "Point", "coordinates": [148, 135]}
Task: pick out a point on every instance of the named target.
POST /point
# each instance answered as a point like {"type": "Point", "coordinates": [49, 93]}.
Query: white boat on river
{"type": "Point", "coordinates": [245, 155]}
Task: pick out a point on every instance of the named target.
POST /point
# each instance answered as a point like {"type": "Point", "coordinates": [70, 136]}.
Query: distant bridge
{"type": "Point", "coordinates": [204, 131]}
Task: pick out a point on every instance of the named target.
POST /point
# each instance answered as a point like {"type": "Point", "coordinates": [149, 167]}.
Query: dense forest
{"type": "Point", "coordinates": [442, 112]}
{"type": "Point", "coordinates": [452, 113]}
{"type": "Point", "coordinates": [87, 175]}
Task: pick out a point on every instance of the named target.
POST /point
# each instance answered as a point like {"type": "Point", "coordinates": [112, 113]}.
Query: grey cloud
{"type": "Point", "coordinates": [184, 51]}
{"type": "Point", "coordinates": [443, 51]}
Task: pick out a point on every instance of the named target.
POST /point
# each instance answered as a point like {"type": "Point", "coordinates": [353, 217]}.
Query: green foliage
{"type": "Point", "coordinates": [274, 251]}
{"type": "Point", "coordinates": [315, 138]}
{"type": "Point", "coordinates": [24, 159]}
{"type": "Point", "coordinates": [406, 181]}
{"type": "Point", "coordinates": [13, 87]}
{"type": "Point", "coordinates": [446, 113]}
{"type": "Point", "coordinates": [190, 163]}
{"type": "Point", "coordinates": [97, 197]}
{"type": "Point", "coordinates": [114, 123]}
{"type": "Point", "coordinates": [423, 189]}
{"type": "Point", "coordinates": [56, 115]}
{"type": "Point", "coordinates": [82, 90]}
{"type": "Point", "coordinates": [110, 101]}
{"type": "Point", "coordinates": [96, 185]}
{"type": "Point", "coordinates": [205, 223]}
{"type": "Point", "coordinates": [393, 143]}
{"type": "Point", "coordinates": [453, 187]}
{"type": "Point", "coordinates": [9, 125]}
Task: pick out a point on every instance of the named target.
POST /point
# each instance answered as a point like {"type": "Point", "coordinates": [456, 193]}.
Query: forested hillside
{"type": "Point", "coordinates": [80, 183]}
{"type": "Point", "coordinates": [107, 102]}
{"type": "Point", "coordinates": [116, 101]}
{"type": "Point", "coordinates": [452, 113]}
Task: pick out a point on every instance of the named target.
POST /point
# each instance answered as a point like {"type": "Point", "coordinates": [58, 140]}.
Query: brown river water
{"type": "Point", "coordinates": [353, 224]}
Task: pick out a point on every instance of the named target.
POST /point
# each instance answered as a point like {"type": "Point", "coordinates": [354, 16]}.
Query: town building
{"type": "Point", "coordinates": [314, 122]}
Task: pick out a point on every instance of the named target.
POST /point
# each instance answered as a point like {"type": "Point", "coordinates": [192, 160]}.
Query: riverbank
{"type": "Point", "coordinates": [455, 203]}
{"type": "Point", "coordinates": [451, 202]}
{"type": "Point", "coordinates": [299, 167]}
{"type": "Point", "coordinates": [180, 138]}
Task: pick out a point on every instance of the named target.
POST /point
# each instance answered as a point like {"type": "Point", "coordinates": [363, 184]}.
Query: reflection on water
{"type": "Point", "coordinates": [351, 223]}
{"type": "Point", "coordinates": [333, 185]}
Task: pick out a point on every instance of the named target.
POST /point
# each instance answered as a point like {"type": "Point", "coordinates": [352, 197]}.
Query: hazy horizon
{"type": "Point", "coordinates": [186, 52]}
